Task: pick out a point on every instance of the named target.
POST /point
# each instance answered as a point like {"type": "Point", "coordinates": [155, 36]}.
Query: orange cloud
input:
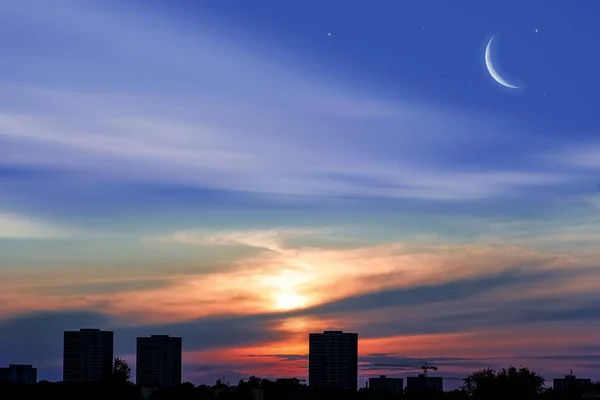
{"type": "Point", "coordinates": [280, 278]}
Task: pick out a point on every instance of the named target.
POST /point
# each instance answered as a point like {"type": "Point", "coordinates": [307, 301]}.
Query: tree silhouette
{"type": "Point", "coordinates": [121, 371]}
{"type": "Point", "coordinates": [479, 382]}
{"type": "Point", "coordinates": [489, 384]}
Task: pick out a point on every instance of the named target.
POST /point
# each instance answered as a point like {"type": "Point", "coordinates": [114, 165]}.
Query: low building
{"type": "Point", "coordinates": [258, 394]}
{"type": "Point", "coordinates": [19, 373]}
{"type": "Point", "coordinates": [425, 383]}
{"type": "Point", "coordinates": [591, 395]}
{"type": "Point", "coordinates": [385, 384]}
{"type": "Point", "coordinates": [570, 382]}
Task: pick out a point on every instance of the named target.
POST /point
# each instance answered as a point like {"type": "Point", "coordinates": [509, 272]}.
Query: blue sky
{"type": "Point", "coordinates": [384, 111]}
{"type": "Point", "coordinates": [154, 148]}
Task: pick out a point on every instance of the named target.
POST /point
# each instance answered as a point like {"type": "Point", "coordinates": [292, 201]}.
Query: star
{"type": "Point", "coordinates": [328, 33]}
{"type": "Point", "coordinates": [423, 27]}
{"type": "Point", "coordinates": [536, 30]}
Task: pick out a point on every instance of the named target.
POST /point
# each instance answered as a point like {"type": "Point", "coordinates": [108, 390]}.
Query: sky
{"type": "Point", "coordinates": [243, 173]}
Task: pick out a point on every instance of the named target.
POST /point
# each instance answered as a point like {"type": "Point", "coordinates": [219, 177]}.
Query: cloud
{"type": "Point", "coordinates": [38, 337]}
{"type": "Point", "coordinates": [214, 332]}
{"type": "Point", "coordinates": [430, 294]}
{"type": "Point", "coordinates": [18, 227]}
{"type": "Point", "coordinates": [201, 334]}
{"type": "Point", "coordinates": [289, 276]}
{"type": "Point", "coordinates": [509, 315]}
{"type": "Point", "coordinates": [294, 134]}
{"type": "Point", "coordinates": [274, 239]}
{"type": "Point", "coordinates": [382, 361]}
{"type": "Point", "coordinates": [585, 156]}
{"type": "Point", "coordinates": [586, 349]}
{"type": "Point", "coordinates": [203, 368]}
{"type": "Point", "coordinates": [100, 287]}
{"type": "Point", "coordinates": [291, 357]}
{"type": "Point", "coordinates": [405, 364]}
{"type": "Point", "coordinates": [573, 357]}
{"type": "Point", "coordinates": [270, 240]}
{"type": "Point", "coordinates": [593, 200]}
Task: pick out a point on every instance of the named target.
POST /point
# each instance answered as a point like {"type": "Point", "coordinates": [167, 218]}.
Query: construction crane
{"type": "Point", "coordinates": [426, 367]}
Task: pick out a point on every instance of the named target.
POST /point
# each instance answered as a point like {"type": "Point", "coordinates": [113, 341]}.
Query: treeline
{"type": "Point", "coordinates": [508, 383]}
{"type": "Point", "coordinates": [70, 391]}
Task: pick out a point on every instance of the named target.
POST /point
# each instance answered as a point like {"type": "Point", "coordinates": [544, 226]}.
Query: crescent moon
{"type": "Point", "coordinates": [492, 70]}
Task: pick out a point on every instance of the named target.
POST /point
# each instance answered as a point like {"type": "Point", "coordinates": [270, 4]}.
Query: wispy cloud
{"type": "Point", "coordinates": [19, 227]}
{"type": "Point", "coordinates": [237, 120]}
{"type": "Point", "coordinates": [271, 239]}
{"type": "Point", "coordinates": [283, 275]}
{"type": "Point", "coordinates": [584, 156]}
{"type": "Point", "coordinates": [424, 294]}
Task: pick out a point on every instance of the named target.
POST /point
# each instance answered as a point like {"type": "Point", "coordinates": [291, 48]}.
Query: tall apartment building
{"type": "Point", "coordinates": [87, 355]}
{"type": "Point", "coordinates": [19, 373]}
{"type": "Point", "coordinates": [333, 360]}
{"type": "Point", "coordinates": [158, 361]}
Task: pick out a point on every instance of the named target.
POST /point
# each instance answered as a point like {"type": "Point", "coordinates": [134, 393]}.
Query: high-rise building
{"type": "Point", "coordinates": [333, 360]}
{"type": "Point", "coordinates": [385, 384]}
{"type": "Point", "coordinates": [158, 361]}
{"type": "Point", "coordinates": [87, 355]}
{"type": "Point", "coordinates": [19, 373]}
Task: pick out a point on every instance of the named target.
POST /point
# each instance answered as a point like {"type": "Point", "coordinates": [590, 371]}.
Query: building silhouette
{"type": "Point", "coordinates": [19, 373]}
{"type": "Point", "coordinates": [87, 355]}
{"type": "Point", "coordinates": [422, 382]}
{"type": "Point", "coordinates": [158, 361]}
{"type": "Point", "coordinates": [570, 382]}
{"type": "Point", "coordinates": [385, 384]}
{"type": "Point", "coordinates": [333, 360]}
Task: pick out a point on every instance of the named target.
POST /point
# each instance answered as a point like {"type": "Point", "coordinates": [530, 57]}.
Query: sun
{"type": "Point", "coordinates": [288, 300]}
